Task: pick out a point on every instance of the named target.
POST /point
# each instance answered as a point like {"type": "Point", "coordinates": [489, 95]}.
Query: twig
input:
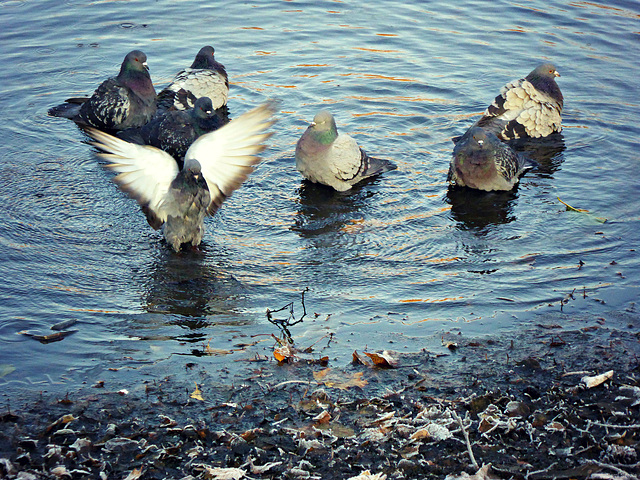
{"type": "Point", "coordinates": [281, 384]}
{"type": "Point", "coordinates": [610, 425]}
{"type": "Point", "coordinates": [540, 471]}
{"type": "Point", "coordinates": [619, 471]}
{"type": "Point", "coordinates": [466, 438]}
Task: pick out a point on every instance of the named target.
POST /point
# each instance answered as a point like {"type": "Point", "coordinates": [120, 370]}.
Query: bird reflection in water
{"type": "Point", "coordinates": [323, 210]}
{"type": "Point", "coordinates": [547, 153]}
{"type": "Point", "coordinates": [477, 210]}
{"type": "Point", "coordinates": [187, 290]}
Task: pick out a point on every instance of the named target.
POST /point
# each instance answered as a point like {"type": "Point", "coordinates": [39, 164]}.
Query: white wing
{"type": "Point", "coordinates": [144, 172]}
{"type": "Point", "coordinates": [228, 155]}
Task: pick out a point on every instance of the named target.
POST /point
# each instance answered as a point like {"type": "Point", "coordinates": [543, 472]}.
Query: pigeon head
{"type": "Point", "coordinates": [544, 79]}
{"type": "Point", "coordinates": [476, 140]}
{"type": "Point", "coordinates": [203, 108]}
{"type": "Point", "coordinates": [205, 58]}
{"type": "Point", "coordinates": [193, 167]}
{"type": "Point", "coordinates": [546, 70]}
{"type": "Point", "coordinates": [323, 127]}
{"type": "Point", "coordinates": [134, 61]}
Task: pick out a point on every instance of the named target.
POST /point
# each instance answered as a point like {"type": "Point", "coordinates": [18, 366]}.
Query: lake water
{"type": "Point", "coordinates": [391, 265]}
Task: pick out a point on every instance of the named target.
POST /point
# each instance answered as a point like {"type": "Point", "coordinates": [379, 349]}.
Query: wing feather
{"type": "Point", "coordinates": [145, 173]}
{"type": "Point", "coordinates": [229, 155]}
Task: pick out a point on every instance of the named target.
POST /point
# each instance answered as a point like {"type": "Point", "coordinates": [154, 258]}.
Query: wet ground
{"type": "Point", "coordinates": [523, 401]}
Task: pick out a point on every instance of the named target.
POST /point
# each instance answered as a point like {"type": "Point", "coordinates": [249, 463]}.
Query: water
{"type": "Point", "coordinates": [392, 264]}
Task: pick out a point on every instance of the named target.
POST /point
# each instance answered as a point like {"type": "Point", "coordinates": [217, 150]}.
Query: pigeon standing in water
{"type": "Point", "coordinates": [205, 78]}
{"type": "Point", "coordinates": [215, 165]}
{"type": "Point", "coordinates": [128, 100]}
{"type": "Point", "coordinates": [176, 130]}
{"type": "Point", "coordinates": [332, 159]}
{"type": "Point", "coordinates": [481, 161]}
{"type": "Point", "coordinates": [529, 107]}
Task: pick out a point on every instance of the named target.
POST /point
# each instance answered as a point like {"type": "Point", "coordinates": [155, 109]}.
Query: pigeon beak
{"type": "Point", "coordinates": [208, 112]}
{"type": "Point", "coordinates": [556, 74]}
{"type": "Point", "coordinates": [312, 124]}
{"type": "Point", "coordinates": [144, 64]}
{"type": "Point", "coordinates": [480, 142]}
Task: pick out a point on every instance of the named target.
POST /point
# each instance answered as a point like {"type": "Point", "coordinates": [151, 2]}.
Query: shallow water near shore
{"type": "Point", "coordinates": [391, 265]}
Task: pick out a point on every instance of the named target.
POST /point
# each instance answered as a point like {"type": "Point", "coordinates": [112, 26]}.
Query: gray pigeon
{"type": "Point", "coordinates": [481, 161]}
{"type": "Point", "coordinates": [176, 130]}
{"type": "Point", "coordinates": [205, 78]}
{"type": "Point", "coordinates": [529, 107]}
{"type": "Point", "coordinates": [128, 100]}
{"type": "Point", "coordinates": [332, 159]}
{"type": "Point", "coordinates": [215, 165]}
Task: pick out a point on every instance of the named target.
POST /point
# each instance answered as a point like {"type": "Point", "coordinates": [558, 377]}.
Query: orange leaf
{"type": "Point", "coordinates": [382, 360]}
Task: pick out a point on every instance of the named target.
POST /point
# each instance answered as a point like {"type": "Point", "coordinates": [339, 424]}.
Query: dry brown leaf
{"type": "Point", "coordinates": [324, 417]}
{"type": "Point", "coordinates": [596, 380]}
{"type": "Point", "coordinates": [134, 474]}
{"type": "Point", "coordinates": [382, 360]}
{"type": "Point", "coordinates": [217, 473]}
{"type": "Point", "coordinates": [358, 360]}
{"type": "Point", "coordinates": [197, 394]}
{"type": "Point", "coordinates": [338, 381]}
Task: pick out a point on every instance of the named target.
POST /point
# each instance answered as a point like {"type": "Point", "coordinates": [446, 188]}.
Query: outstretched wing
{"type": "Point", "coordinates": [228, 155]}
{"type": "Point", "coordinates": [144, 172]}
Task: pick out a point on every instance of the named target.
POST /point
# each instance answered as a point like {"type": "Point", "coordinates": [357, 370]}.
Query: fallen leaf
{"type": "Point", "coordinates": [6, 369]}
{"type": "Point", "coordinates": [580, 210]}
{"type": "Point", "coordinates": [217, 473]}
{"type": "Point", "coordinates": [357, 359]}
{"type": "Point", "coordinates": [135, 474]}
{"type": "Point", "coordinates": [382, 360]}
{"type": "Point", "coordinates": [596, 380]}
{"type": "Point", "coordinates": [197, 394]}
{"type": "Point", "coordinates": [482, 474]}
{"type": "Point", "coordinates": [367, 475]}
{"type": "Point", "coordinates": [336, 380]}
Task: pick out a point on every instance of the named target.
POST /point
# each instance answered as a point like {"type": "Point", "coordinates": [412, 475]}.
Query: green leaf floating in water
{"type": "Point", "coordinates": [6, 369]}
{"type": "Point", "coordinates": [581, 210]}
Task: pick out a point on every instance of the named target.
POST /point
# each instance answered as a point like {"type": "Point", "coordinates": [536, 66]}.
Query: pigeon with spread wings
{"type": "Point", "coordinates": [215, 165]}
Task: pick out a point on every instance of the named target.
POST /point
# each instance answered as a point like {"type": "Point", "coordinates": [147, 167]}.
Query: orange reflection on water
{"type": "Point", "coordinates": [430, 300]}
{"type": "Point", "coordinates": [379, 77]}
{"type": "Point", "coordinates": [375, 50]}
{"type": "Point", "coordinates": [615, 11]}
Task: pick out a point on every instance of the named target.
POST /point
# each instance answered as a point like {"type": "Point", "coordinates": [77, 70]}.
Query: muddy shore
{"type": "Point", "coordinates": [519, 403]}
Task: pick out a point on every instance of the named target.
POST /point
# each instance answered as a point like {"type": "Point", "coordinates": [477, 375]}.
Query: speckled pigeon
{"type": "Point", "coordinates": [215, 165]}
{"type": "Point", "coordinates": [128, 100]}
{"type": "Point", "coordinates": [205, 78]}
{"type": "Point", "coordinates": [481, 161]}
{"type": "Point", "coordinates": [332, 159]}
{"type": "Point", "coordinates": [176, 130]}
{"type": "Point", "coordinates": [529, 107]}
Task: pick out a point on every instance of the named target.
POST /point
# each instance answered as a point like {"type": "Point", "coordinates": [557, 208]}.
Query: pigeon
{"type": "Point", "coordinates": [332, 159]}
{"type": "Point", "coordinates": [215, 165]}
{"type": "Point", "coordinates": [529, 107]}
{"type": "Point", "coordinates": [128, 100]}
{"type": "Point", "coordinates": [205, 78]}
{"type": "Point", "coordinates": [481, 161]}
{"type": "Point", "coordinates": [176, 130]}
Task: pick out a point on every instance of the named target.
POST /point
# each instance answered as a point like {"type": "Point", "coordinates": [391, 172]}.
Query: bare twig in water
{"type": "Point", "coordinates": [457, 418]}
{"type": "Point", "coordinates": [284, 324]}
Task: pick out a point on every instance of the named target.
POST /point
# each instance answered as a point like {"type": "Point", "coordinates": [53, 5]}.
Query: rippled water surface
{"type": "Point", "coordinates": [392, 264]}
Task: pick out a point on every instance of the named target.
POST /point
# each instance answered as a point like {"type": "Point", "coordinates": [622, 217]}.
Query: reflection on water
{"type": "Point", "coordinates": [185, 284]}
{"type": "Point", "coordinates": [547, 153]}
{"type": "Point", "coordinates": [478, 211]}
{"type": "Point", "coordinates": [322, 209]}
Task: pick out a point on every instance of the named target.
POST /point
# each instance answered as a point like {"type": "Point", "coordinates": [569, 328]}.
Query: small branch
{"type": "Point", "coordinates": [625, 475]}
{"type": "Point", "coordinates": [466, 439]}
